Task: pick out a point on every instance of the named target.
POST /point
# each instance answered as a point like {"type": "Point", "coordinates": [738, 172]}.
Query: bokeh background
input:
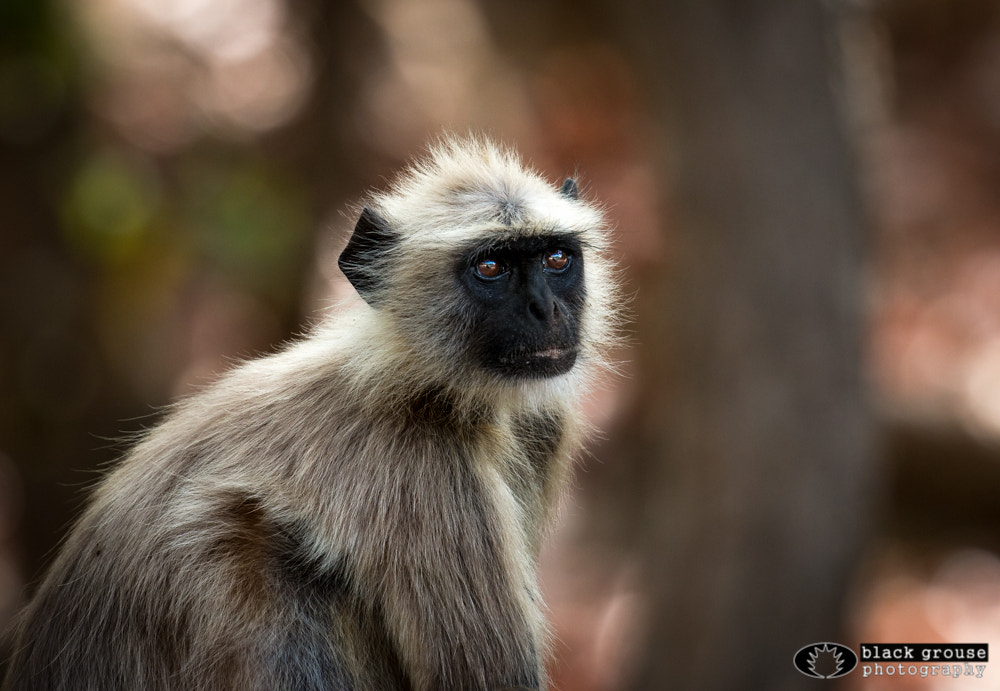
{"type": "Point", "coordinates": [804, 441]}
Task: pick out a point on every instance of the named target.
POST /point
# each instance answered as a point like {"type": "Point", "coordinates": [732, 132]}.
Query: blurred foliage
{"type": "Point", "coordinates": [109, 207]}
{"type": "Point", "coordinates": [234, 217]}
{"type": "Point", "coordinates": [248, 222]}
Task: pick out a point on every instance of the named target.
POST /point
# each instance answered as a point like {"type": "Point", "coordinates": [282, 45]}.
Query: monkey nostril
{"type": "Point", "coordinates": [536, 310]}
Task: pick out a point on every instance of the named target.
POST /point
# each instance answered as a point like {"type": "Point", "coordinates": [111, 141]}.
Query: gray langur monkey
{"type": "Point", "coordinates": [362, 510]}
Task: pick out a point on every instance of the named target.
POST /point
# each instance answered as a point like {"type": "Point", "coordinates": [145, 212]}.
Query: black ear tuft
{"type": "Point", "coordinates": [363, 260]}
{"type": "Point", "coordinates": [569, 189]}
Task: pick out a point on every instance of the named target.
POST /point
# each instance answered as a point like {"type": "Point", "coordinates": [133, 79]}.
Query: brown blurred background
{"type": "Point", "coordinates": [805, 441]}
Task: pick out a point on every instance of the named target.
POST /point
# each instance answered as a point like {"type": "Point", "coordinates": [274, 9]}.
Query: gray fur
{"type": "Point", "coordinates": [360, 511]}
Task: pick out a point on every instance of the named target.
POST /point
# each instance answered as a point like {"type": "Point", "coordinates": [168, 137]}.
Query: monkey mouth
{"type": "Point", "coordinates": [543, 362]}
{"type": "Point", "coordinates": [550, 353]}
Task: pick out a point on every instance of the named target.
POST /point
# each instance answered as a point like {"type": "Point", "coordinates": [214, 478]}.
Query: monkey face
{"type": "Point", "coordinates": [476, 273]}
{"type": "Point", "coordinates": [525, 297]}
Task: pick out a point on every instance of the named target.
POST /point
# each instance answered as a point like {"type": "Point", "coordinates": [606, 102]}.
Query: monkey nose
{"type": "Point", "coordinates": [542, 306]}
{"type": "Point", "coordinates": [546, 313]}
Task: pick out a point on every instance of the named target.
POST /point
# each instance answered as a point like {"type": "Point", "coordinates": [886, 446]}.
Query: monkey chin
{"type": "Point", "coordinates": [550, 361]}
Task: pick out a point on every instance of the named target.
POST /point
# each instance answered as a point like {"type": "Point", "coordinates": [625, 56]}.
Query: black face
{"type": "Point", "coordinates": [526, 297]}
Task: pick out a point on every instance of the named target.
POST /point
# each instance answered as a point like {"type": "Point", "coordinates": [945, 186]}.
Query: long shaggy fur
{"type": "Point", "coordinates": [360, 511]}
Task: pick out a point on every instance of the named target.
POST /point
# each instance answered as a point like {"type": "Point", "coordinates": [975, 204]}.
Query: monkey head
{"type": "Point", "coordinates": [483, 266]}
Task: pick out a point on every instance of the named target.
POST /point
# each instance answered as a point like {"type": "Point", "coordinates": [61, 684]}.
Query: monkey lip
{"type": "Point", "coordinates": [543, 362]}
{"type": "Point", "coordinates": [550, 353]}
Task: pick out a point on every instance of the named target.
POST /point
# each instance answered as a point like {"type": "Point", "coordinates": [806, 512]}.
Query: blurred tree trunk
{"type": "Point", "coordinates": [754, 427]}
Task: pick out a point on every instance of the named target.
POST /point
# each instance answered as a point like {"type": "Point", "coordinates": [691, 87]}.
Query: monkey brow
{"type": "Point", "coordinates": [527, 244]}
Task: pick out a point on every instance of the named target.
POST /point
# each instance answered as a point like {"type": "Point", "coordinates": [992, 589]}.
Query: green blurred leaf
{"type": "Point", "coordinates": [248, 223]}
{"type": "Point", "coordinates": [110, 205]}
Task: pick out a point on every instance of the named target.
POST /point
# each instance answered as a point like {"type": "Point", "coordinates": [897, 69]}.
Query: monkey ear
{"type": "Point", "coordinates": [363, 260]}
{"type": "Point", "coordinates": [569, 189]}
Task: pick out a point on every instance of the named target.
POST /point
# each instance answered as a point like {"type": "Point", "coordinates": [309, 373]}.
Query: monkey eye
{"type": "Point", "coordinates": [556, 260]}
{"type": "Point", "coordinates": [488, 268]}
